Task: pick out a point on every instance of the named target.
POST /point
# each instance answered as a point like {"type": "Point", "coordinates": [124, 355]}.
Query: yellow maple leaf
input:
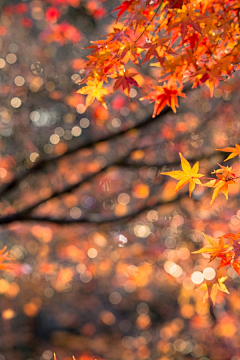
{"type": "Point", "coordinates": [225, 176]}
{"type": "Point", "coordinates": [212, 289]}
{"type": "Point", "coordinates": [234, 151]}
{"type": "Point", "coordinates": [214, 248]}
{"type": "Point", "coordinates": [188, 175]}
{"type": "Point", "coordinates": [94, 90]}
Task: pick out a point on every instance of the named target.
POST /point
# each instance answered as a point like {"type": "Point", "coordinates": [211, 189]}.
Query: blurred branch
{"type": "Point", "coordinates": [202, 127]}
{"type": "Point", "coordinates": [169, 165]}
{"type": "Point", "coordinates": [24, 214]}
{"type": "Point", "coordinates": [93, 219]}
{"type": "Point", "coordinates": [86, 145]}
{"type": "Point", "coordinates": [122, 161]}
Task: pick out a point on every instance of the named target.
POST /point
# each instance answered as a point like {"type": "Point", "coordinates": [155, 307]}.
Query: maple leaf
{"type": "Point", "coordinates": [188, 175]}
{"type": "Point", "coordinates": [124, 80]}
{"type": "Point", "coordinates": [122, 8]}
{"type": "Point", "coordinates": [225, 177]}
{"type": "Point", "coordinates": [234, 151]}
{"type": "Point", "coordinates": [192, 40]}
{"type": "Point", "coordinates": [226, 259]}
{"type": "Point", "coordinates": [212, 74]}
{"type": "Point", "coordinates": [215, 248]}
{"type": "Point", "coordinates": [164, 95]}
{"type": "Point", "coordinates": [174, 4]}
{"type": "Point", "coordinates": [4, 256]}
{"type": "Point", "coordinates": [236, 266]}
{"type": "Point", "coordinates": [188, 17]}
{"type": "Point", "coordinates": [94, 90]}
{"type": "Point", "coordinates": [227, 252]}
{"type": "Point", "coordinates": [158, 48]}
{"type": "Point", "coordinates": [127, 52]}
{"type": "Point", "coordinates": [212, 289]}
{"type": "Point", "coordinates": [232, 236]}
{"type": "Point", "coordinates": [207, 76]}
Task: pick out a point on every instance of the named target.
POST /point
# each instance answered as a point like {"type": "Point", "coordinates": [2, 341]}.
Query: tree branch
{"type": "Point", "coordinates": [121, 162]}
{"type": "Point", "coordinates": [86, 145]}
{"type": "Point", "coordinates": [169, 165]}
{"type": "Point", "coordinates": [24, 214]}
{"type": "Point", "coordinates": [93, 219]}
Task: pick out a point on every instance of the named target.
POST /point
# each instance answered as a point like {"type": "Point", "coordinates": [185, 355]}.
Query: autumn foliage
{"type": "Point", "coordinates": [187, 42]}
{"type": "Point", "coordinates": [186, 50]}
{"type": "Point", "coordinates": [194, 42]}
{"type": "Point", "coordinates": [119, 184]}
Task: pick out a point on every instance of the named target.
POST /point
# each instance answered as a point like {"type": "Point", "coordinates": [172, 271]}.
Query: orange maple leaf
{"type": "Point", "coordinates": [225, 177]}
{"type": "Point", "coordinates": [188, 175]}
{"type": "Point", "coordinates": [4, 256]}
{"type": "Point", "coordinates": [212, 289]}
{"type": "Point", "coordinates": [94, 90]}
{"type": "Point", "coordinates": [236, 266]}
{"type": "Point", "coordinates": [188, 17]}
{"type": "Point", "coordinates": [234, 151]}
{"type": "Point", "coordinates": [157, 47]}
{"type": "Point", "coordinates": [215, 248]}
{"type": "Point", "coordinates": [164, 95]}
{"type": "Point", "coordinates": [227, 259]}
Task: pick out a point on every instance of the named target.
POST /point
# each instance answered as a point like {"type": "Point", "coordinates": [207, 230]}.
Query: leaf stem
{"type": "Point", "coordinates": [150, 21]}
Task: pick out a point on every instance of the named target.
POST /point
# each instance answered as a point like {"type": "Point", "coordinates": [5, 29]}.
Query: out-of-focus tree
{"type": "Point", "coordinates": [100, 239]}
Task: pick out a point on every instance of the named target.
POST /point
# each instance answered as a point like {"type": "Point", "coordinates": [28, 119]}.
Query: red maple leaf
{"type": "Point", "coordinates": [193, 39]}
{"type": "Point", "coordinates": [122, 8]}
{"type": "Point", "coordinates": [124, 80]}
{"type": "Point", "coordinates": [159, 49]}
{"type": "Point", "coordinates": [164, 95]}
{"type": "Point", "coordinates": [175, 4]}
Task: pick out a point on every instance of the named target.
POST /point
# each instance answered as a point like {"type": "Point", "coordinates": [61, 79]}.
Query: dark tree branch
{"type": "Point", "coordinates": [121, 162]}
{"type": "Point", "coordinates": [93, 219]}
{"type": "Point", "coordinates": [86, 145]}
{"type": "Point", "coordinates": [169, 165]}
{"type": "Point", "coordinates": [24, 214]}
{"type": "Point", "coordinates": [90, 144]}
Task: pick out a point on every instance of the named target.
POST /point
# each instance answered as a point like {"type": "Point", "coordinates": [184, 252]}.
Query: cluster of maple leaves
{"type": "Point", "coordinates": [225, 175]}
{"type": "Point", "coordinates": [229, 253]}
{"type": "Point", "coordinates": [187, 41]}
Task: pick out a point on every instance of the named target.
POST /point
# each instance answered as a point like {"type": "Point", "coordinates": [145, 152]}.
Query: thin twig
{"type": "Point", "coordinates": [149, 21]}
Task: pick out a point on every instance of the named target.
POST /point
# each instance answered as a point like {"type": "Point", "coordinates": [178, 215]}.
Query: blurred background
{"type": "Point", "coordinates": [101, 244]}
